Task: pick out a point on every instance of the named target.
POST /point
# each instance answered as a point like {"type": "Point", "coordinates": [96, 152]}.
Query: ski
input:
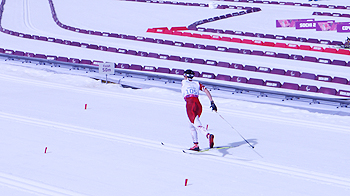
{"type": "Point", "coordinates": [188, 151]}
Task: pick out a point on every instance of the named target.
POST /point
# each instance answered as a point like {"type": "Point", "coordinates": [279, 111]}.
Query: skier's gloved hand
{"type": "Point", "coordinates": [213, 106]}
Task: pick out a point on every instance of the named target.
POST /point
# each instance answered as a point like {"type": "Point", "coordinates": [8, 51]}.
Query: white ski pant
{"type": "Point", "coordinates": [195, 127]}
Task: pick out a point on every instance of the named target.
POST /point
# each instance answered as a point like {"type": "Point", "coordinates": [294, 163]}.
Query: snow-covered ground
{"type": "Point", "coordinates": [114, 146]}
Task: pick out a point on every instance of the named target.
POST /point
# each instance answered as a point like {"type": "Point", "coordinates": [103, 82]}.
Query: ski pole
{"type": "Point", "coordinates": [239, 134]}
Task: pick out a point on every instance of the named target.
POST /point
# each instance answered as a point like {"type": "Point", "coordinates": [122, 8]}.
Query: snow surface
{"type": "Point", "coordinates": [114, 147]}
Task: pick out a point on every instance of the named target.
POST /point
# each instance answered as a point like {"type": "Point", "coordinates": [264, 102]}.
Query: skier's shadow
{"type": "Point", "coordinates": [225, 151]}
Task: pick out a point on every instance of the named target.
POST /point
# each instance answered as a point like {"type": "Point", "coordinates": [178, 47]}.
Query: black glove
{"type": "Point", "coordinates": [213, 106]}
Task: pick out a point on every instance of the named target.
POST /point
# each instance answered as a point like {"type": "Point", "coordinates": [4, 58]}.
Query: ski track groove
{"type": "Point", "coordinates": [253, 164]}
{"type": "Point", "coordinates": [33, 186]}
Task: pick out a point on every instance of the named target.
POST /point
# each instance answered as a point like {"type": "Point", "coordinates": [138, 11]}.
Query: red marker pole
{"type": "Point", "coordinates": [85, 106]}
{"type": "Point", "coordinates": [45, 150]}
{"type": "Point", "coordinates": [186, 180]}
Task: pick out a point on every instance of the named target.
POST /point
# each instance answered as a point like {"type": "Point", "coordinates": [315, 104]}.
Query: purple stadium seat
{"type": "Point", "coordinates": [147, 39]}
{"type": "Point", "coordinates": [163, 56]}
{"type": "Point", "coordinates": [42, 38]}
{"type": "Point", "coordinates": [104, 48]}
{"type": "Point", "coordinates": [343, 93]}
{"type": "Point", "coordinates": [135, 67]}
{"type": "Point", "coordinates": [291, 38]}
{"type": "Point", "coordinates": [249, 34]}
{"type": "Point", "coordinates": [273, 84]}
{"type": "Point", "coordinates": [148, 68]}
{"type": "Point", "coordinates": [223, 49]}
{"type": "Point", "coordinates": [141, 53]}
{"type": "Point", "coordinates": [308, 76]}
{"type": "Point", "coordinates": [291, 86]}
{"type": "Point", "coordinates": [340, 80]}
{"type": "Point", "coordinates": [121, 50]}
{"type": "Point", "coordinates": [178, 44]}
{"type": "Point", "coordinates": [245, 51]}
{"type": "Point", "coordinates": [233, 50]}
{"type": "Point", "coordinates": [189, 45]}
{"type": "Point", "coordinates": [177, 71]}
{"type": "Point", "coordinates": [236, 66]}
{"type": "Point", "coordinates": [131, 37]}
{"type": "Point", "coordinates": [85, 61]}
{"type": "Point", "coordinates": [186, 59]}
{"type": "Point", "coordinates": [280, 37]}
{"type": "Point", "coordinates": [270, 54]}
{"type": "Point", "coordinates": [174, 58]}
{"type": "Point", "coordinates": [264, 69]}
{"type": "Point", "coordinates": [66, 42]}
{"type": "Point", "coordinates": [92, 46]}
{"type": "Point", "coordinates": [270, 36]}
{"type": "Point", "coordinates": [153, 55]}
{"type": "Point", "coordinates": [313, 40]}
{"type": "Point", "coordinates": [255, 81]}
{"type": "Point", "coordinates": [324, 78]}
{"type": "Point", "coordinates": [59, 41]}
{"type": "Point", "coordinates": [336, 43]}
{"type": "Point", "coordinates": [123, 66]}
{"type": "Point", "coordinates": [296, 57]}
{"type": "Point", "coordinates": [199, 46]}
{"type": "Point", "coordinates": [308, 88]}
{"type": "Point", "coordinates": [163, 70]}
{"type": "Point", "coordinates": [325, 42]}
{"type": "Point", "coordinates": [329, 91]}
{"type": "Point", "coordinates": [223, 64]}
{"type": "Point", "coordinates": [51, 57]}
{"type": "Point", "coordinates": [339, 62]}
{"type": "Point", "coordinates": [207, 75]}
{"type": "Point", "coordinates": [209, 47]}
{"type": "Point", "coordinates": [282, 55]}
{"type": "Point", "coordinates": [293, 73]}
{"type": "Point", "coordinates": [249, 68]}
{"type": "Point", "coordinates": [132, 52]}
{"type": "Point", "coordinates": [8, 51]}
{"type": "Point", "coordinates": [325, 61]}
{"type": "Point", "coordinates": [239, 79]}
{"type": "Point", "coordinates": [199, 61]}
{"type": "Point", "coordinates": [41, 56]}
{"type": "Point", "coordinates": [310, 59]}
{"type": "Point", "coordinates": [223, 77]}
{"type": "Point", "coordinates": [111, 49]}
{"type": "Point", "coordinates": [76, 44]}
{"type": "Point", "coordinates": [29, 54]}
{"type": "Point", "coordinates": [19, 53]}
{"type": "Point", "coordinates": [278, 71]}
{"type": "Point", "coordinates": [257, 52]}
{"type": "Point", "coordinates": [62, 59]}
{"type": "Point", "coordinates": [230, 32]}
{"type": "Point", "coordinates": [74, 60]}
{"type": "Point", "coordinates": [261, 35]}
{"type": "Point", "coordinates": [211, 62]}
{"type": "Point", "coordinates": [168, 42]}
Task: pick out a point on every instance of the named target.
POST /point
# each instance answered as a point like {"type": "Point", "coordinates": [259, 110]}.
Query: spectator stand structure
{"type": "Point", "coordinates": [139, 76]}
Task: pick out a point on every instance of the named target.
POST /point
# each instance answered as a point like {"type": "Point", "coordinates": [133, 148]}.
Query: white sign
{"type": "Point", "coordinates": [106, 68]}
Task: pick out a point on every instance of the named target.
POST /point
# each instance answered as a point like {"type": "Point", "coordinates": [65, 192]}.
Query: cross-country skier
{"type": "Point", "coordinates": [347, 43]}
{"type": "Point", "coordinates": [190, 91]}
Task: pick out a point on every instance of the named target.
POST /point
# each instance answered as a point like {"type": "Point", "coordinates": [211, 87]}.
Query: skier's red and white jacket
{"type": "Point", "coordinates": [191, 88]}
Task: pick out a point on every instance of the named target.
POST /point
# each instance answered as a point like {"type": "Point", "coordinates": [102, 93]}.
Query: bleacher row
{"type": "Point", "coordinates": [270, 36]}
{"type": "Point", "coordinates": [292, 4]}
{"type": "Point", "coordinates": [257, 42]}
{"type": "Point", "coordinates": [194, 25]}
{"type": "Point", "coordinates": [253, 81]}
{"type": "Point", "coordinates": [331, 14]}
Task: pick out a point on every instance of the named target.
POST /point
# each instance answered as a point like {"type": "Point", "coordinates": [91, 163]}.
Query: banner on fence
{"type": "Point", "coordinates": [343, 27]}
{"type": "Point", "coordinates": [286, 23]}
{"type": "Point", "coordinates": [309, 24]}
